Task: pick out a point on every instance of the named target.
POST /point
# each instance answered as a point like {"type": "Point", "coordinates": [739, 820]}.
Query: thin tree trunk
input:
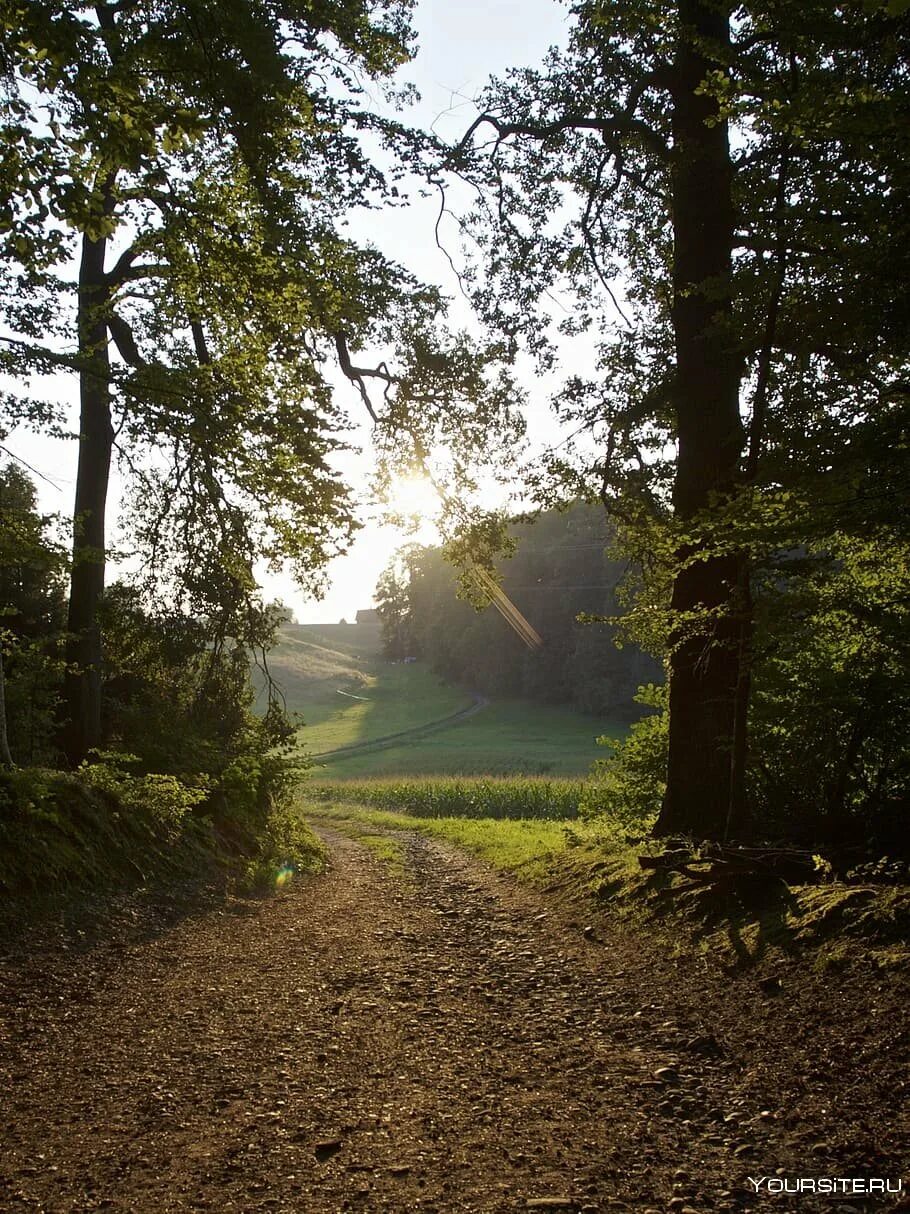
{"type": "Point", "coordinates": [704, 663]}
{"type": "Point", "coordinates": [83, 653]}
{"type": "Point", "coordinates": [6, 759]}
{"type": "Point", "coordinates": [737, 811]}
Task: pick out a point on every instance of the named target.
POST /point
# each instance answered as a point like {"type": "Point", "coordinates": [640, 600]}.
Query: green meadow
{"type": "Point", "coordinates": [347, 695]}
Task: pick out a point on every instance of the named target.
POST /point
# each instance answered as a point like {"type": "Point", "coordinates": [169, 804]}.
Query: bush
{"type": "Point", "coordinates": [627, 788]}
{"type": "Point", "coordinates": [830, 719]}
{"type": "Point", "coordinates": [164, 797]}
{"type": "Point", "coordinates": [93, 828]}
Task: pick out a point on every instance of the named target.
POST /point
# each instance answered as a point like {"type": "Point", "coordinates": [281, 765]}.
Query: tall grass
{"type": "Point", "coordinates": [461, 797]}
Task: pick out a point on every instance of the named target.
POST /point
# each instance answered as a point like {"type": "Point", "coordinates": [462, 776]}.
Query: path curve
{"type": "Point", "coordinates": [403, 736]}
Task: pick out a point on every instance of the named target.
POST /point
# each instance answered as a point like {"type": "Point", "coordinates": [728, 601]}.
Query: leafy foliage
{"type": "Point", "coordinates": [627, 787]}
{"type": "Point", "coordinates": [561, 572]}
{"type": "Point", "coordinates": [587, 172]}
{"type": "Point", "coordinates": [31, 619]}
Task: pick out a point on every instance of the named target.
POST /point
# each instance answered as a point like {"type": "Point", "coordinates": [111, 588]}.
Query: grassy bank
{"type": "Point", "coordinates": [63, 835]}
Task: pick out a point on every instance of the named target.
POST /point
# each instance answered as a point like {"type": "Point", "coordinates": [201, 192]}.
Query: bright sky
{"type": "Point", "coordinates": [460, 46]}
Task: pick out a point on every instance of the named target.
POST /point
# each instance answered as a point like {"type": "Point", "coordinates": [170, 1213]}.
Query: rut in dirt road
{"type": "Point", "coordinates": [381, 1041]}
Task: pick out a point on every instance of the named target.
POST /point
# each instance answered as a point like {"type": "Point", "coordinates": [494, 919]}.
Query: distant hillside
{"type": "Point", "coordinates": [335, 677]}
{"type": "Point", "coordinates": [312, 662]}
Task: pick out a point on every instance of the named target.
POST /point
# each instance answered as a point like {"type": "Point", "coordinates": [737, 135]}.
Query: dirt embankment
{"type": "Point", "coordinates": [430, 1038]}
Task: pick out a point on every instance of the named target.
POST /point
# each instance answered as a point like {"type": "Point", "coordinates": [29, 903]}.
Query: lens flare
{"type": "Point", "coordinates": [284, 875]}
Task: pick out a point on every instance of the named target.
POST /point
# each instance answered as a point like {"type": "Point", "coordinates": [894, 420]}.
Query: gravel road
{"type": "Point", "coordinates": [432, 1039]}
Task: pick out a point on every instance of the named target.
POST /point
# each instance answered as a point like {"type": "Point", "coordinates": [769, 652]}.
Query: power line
{"type": "Point", "coordinates": [523, 551]}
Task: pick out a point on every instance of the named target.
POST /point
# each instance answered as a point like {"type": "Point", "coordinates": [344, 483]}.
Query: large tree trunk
{"type": "Point", "coordinates": [705, 661]}
{"type": "Point", "coordinates": [83, 654]}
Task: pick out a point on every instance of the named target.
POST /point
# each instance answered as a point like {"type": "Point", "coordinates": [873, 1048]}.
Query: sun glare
{"type": "Point", "coordinates": [413, 496]}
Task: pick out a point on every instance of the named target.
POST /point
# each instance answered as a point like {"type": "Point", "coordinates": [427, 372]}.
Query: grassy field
{"type": "Point", "coordinates": [395, 699]}
{"type": "Point", "coordinates": [311, 663]}
{"type": "Point", "coordinates": [508, 737]}
{"type": "Point", "coordinates": [334, 676]}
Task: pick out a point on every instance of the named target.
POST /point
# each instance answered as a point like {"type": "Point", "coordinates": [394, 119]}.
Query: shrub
{"type": "Point", "coordinates": [626, 789]}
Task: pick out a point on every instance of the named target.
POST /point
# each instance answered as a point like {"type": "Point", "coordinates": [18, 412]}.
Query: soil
{"type": "Point", "coordinates": [430, 1037]}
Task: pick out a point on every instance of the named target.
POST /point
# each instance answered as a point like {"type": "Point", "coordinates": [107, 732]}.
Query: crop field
{"type": "Point", "coordinates": [465, 797]}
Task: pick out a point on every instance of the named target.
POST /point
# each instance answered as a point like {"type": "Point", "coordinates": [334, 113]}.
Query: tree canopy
{"type": "Point", "coordinates": [721, 194]}
{"type": "Point", "coordinates": [175, 181]}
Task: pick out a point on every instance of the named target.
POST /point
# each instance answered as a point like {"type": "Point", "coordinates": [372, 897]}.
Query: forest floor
{"type": "Point", "coordinates": [412, 1032]}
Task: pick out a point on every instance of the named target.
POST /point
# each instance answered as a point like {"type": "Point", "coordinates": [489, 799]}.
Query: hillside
{"type": "Point", "coordinates": [335, 678]}
{"type": "Point", "coordinates": [313, 662]}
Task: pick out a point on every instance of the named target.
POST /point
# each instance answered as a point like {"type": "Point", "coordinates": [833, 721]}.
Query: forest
{"type": "Point", "coordinates": [561, 575]}
{"type": "Point", "coordinates": [720, 194]}
{"type": "Point", "coordinates": [634, 312]}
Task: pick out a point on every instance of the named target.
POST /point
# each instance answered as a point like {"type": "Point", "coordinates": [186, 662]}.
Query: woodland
{"type": "Point", "coordinates": [717, 193]}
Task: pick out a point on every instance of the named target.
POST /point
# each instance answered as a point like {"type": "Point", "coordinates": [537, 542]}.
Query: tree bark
{"type": "Point", "coordinates": [705, 658]}
{"type": "Point", "coordinates": [6, 759]}
{"type": "Point", "coordinates": [83, 652]}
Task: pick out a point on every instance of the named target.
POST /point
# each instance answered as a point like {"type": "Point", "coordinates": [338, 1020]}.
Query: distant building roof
{"type": "Point", "coordinates": [368, 616]}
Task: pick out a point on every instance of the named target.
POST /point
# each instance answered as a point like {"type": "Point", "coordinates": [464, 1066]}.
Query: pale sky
{"type": "Point", "coordinates": [460, 46]}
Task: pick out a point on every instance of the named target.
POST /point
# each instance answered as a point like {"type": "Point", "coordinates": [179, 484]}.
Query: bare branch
{"type": "Point", "coordinates": [202, 349]}
{"type": "Point", "coordinates": [616, 128]}
{"type": "Point", "coordinates": [357, 375]}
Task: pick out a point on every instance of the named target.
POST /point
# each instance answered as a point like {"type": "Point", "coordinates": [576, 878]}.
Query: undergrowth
{"type": "Point", "coordinates": [105, 827]}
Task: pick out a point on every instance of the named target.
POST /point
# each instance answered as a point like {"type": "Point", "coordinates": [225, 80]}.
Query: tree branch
{"type": "Point", "coordinates": [202, 349]}
{"type": "Point", "coordinates": [124, 341]}
{"type": "Point", "coordinates": [613, 128]}
{"type": "Point", "coordinates": [357, 375]}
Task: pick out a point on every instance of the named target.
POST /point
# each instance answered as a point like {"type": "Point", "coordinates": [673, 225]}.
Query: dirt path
{"type": "Point", "coordinates": [427, 1040]}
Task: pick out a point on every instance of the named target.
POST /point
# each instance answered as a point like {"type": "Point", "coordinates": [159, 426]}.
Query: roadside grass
{"type": "Point", "coordinates": [521, 846]}
{"type": "Point", "coordinates": [509, 737]}
{"type": "Point", "coordinates": [386, 849]}
{"type": "Point", "coordinates": [590, 867]}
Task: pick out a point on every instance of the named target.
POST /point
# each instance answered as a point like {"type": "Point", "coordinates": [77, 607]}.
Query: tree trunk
{"type": "Point", "coordinates": [83, 652]}
{"type": "Point", "coordinates": [6, 759]}
{"type": "Point", "coordinates": [705, 659]}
